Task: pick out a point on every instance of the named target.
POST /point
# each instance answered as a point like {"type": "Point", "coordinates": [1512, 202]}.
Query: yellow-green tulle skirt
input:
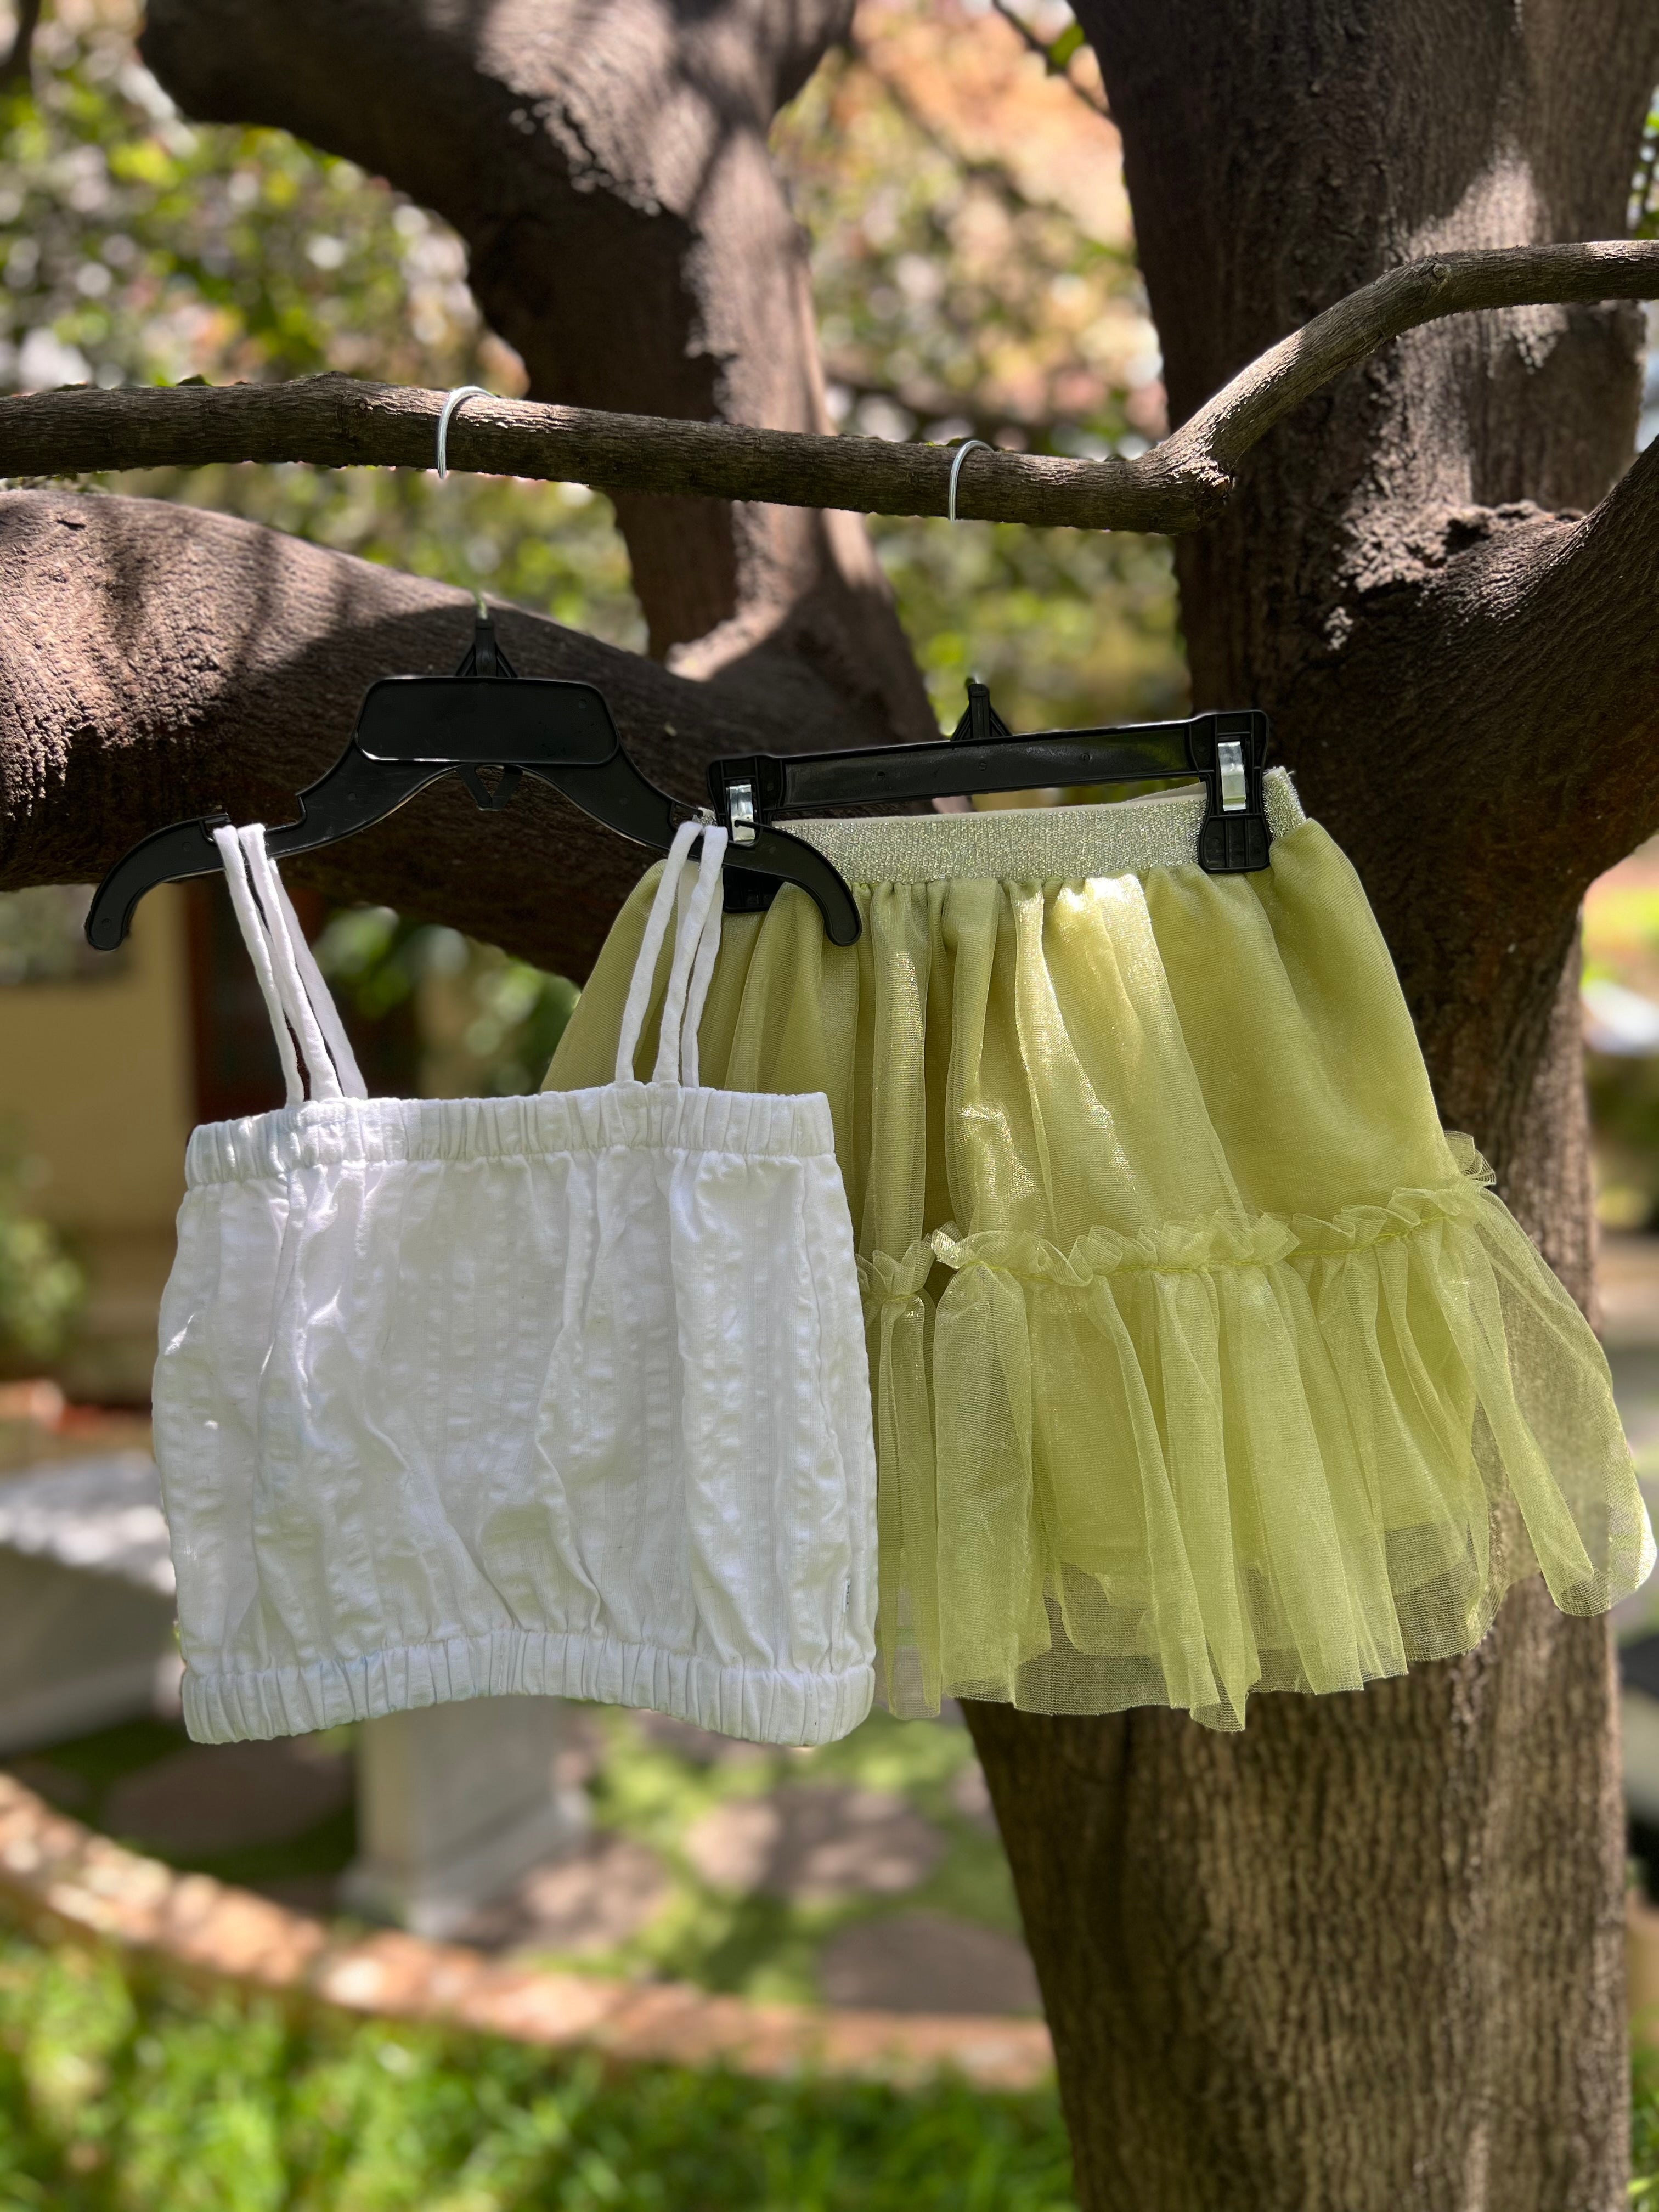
{"type": "Point", "coordinates": [1203, 1360]}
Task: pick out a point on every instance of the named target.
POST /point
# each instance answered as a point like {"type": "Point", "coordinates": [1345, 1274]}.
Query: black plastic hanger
{"type": "Point", "coordinates": [1225, 751]}
{"type": "Point", "coordinates": [413, 729]}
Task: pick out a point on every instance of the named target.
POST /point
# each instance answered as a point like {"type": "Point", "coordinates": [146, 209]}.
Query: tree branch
{"type": "Point", "coordinates": [157, 661]}
{"type": "Point", "coordinates": [15, 69]}
{"type": "Point", "coordinates": [1044, 50]}
{"type": "Point", "coordinates": [333, 421]}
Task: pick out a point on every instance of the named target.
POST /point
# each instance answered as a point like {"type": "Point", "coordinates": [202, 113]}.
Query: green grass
{"type": "Point", "coordinates": [120, 2095]}
{"type": "Point", "coordinates": [1644, 2132]}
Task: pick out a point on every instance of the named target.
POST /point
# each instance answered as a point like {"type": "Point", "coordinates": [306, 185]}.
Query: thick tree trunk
{"type": "Point", "coordinates": [627, 233]}
{"type": "Point", "coordinates": [1368, 1955]}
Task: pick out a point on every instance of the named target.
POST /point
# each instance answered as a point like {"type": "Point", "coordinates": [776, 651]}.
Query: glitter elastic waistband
{"type": "Point", "coordinates": [1023, 844]}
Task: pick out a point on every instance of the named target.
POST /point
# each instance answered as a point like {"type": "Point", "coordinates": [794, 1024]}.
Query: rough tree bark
{"type": "Point", "coordinates": [1366, 1955]}
{"type": "Point", "coordinates": [1369, 1954]}
{"type": "Point", "coordinates": [607, 167]}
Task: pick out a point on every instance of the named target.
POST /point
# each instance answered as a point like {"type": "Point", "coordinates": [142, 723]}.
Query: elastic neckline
{"type": "Point", "coordinates": [535, 1126]}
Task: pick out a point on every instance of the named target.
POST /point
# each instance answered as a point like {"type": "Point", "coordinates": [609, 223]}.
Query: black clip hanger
{"type": "Point", "coordinates": [1225, 751]}
{"type": "Point", "coordinates": [413, 729]}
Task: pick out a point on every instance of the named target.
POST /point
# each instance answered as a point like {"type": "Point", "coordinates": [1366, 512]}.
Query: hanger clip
{"type": "Point", "coordinates": [745, 791]}
{"type": "Point", "coordinates": [1229, 751]}
{"type": "Point", "coordinates": [1230, 756]}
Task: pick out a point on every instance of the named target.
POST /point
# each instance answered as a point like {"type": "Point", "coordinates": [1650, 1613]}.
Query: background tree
{"type": "Point", "coordinates": [1368, 1953]}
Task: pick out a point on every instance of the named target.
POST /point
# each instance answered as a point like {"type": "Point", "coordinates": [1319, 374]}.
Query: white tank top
{"type": "Point", "coordinates": [563, 1394]}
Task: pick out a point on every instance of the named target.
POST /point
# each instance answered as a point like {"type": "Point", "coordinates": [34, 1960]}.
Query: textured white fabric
{"type": "Point", "coordinates": [564, 1394]}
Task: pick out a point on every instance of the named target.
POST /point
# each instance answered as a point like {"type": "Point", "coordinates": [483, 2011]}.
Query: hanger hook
{"type": "Point", "coordinates": [462, 392]}
{"type": "Point", "coordinates": [963, 451]}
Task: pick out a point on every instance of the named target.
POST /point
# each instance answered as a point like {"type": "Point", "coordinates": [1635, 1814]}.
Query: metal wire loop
{"type": "Point", "coordinates": [963, 451]}
{"type": "Point", "coordinates": [461, 392]}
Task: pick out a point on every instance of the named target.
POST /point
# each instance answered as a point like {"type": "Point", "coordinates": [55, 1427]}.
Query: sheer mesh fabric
{"type": "Point", "coordinates": [1203, 1360]}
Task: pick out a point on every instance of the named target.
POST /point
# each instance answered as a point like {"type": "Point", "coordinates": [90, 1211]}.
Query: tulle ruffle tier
{"type": "Point", "coordinates": [1234, 1454]}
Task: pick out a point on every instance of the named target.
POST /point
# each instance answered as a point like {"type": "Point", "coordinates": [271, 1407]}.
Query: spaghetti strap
{"type": "Point", "coordinates": [318, 1028]}
{"type": "Point", "coordinates": [702, 910]}
{"type": "Point", "coordinates": [322, 999]}
{"type": "Point", "coordinates": [695, 917]}
{"type": "Point", "coordinates": [252, 923]}
{"type": "Point", "coordinates": [296, 997]}
{"type": "Point", "coordinates": [702, 970]}
{"type": "Point", "coordinates": [320, 1075]}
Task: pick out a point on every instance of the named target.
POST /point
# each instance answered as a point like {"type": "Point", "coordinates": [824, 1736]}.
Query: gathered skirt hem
{"type": "Point", "coordinates": [1064, 1681]}
{"type": "Point", "coordinates": [758, 1705]}
{"type": "Point", "coordinates": [1240, 1455]}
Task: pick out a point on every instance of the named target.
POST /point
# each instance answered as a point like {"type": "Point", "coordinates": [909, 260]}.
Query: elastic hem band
{"type": "Point", "coordinates": [656, 1117]}
{"type": "Point", "coordinates": [1025, 844]}
{"type": "Point", "coordinates": [758, 1705]}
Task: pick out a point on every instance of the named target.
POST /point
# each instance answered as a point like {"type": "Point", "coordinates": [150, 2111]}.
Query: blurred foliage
{"type": "Point", "coordinates": [949, 300]}
{"type": "Point", "coordinates": [1645, 2129]}
{"type": "Point", "coordinates": [43, 939]}
{"type": "Point", "coordinates": [141, 249]}
{"type": "Point", "coordinates": [1645, 186]}
{"type": "Point", "coordinates": [118, 2094]}
{"type": "Point", "coordinates": [1065, 626]}
{"type": "Point", "coordinates": [42, 1285]}
{"type": "Point", "coordinates": [1621, 947]}
{"type": "Point", "coordinates": [958, 296]}
{"type": "Point", "coordinates": [1059, 50]}
{"type": "Point", "coordinates": [488, 1023]}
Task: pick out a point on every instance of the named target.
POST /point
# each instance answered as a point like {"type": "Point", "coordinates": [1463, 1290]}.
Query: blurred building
{"type": "Point", "coordinates": [107, 1062]}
